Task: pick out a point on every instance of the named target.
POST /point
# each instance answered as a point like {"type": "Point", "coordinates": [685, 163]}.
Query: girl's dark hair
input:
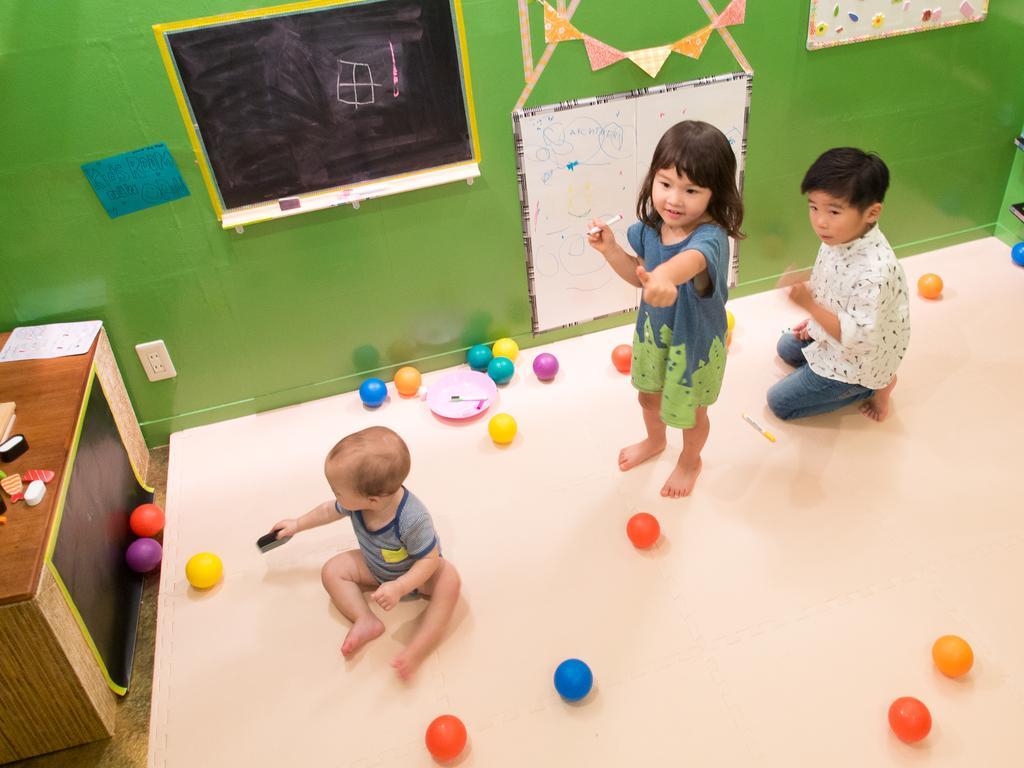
{"type": "Point", "coordinates": [702, 152]}
{"type": "Point", "coordinates": [860, 178]}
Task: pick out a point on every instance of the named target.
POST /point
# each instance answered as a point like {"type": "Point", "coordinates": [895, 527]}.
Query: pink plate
{"type": "Point", "coordinates": [476, 390]}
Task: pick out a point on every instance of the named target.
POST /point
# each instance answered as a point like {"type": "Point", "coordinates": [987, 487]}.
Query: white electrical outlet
{"type": "Point", "coordinates": [156, 361]}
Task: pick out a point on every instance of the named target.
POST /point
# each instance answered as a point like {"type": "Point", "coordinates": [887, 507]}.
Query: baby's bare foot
{"type": "Point", "coordinates": [638, 453]}
{"type": "Point", "coordinates": [681, 481]}
{"type": "Point", "coordinates": [362, 632]}
{"type": "Point", "coordinates": [407, 662]}
{"type": "Point", "coordinates": [877, 406]}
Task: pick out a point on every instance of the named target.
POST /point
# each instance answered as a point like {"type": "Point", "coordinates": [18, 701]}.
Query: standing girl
{"type": "Point", "coordinates": [688, 207]}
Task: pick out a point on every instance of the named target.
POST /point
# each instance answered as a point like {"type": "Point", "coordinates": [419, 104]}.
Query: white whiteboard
{"type": "Point", "coordinates": [586, 159]}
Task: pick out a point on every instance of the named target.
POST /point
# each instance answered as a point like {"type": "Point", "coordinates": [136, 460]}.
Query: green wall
{"type": "Point", "coordinates": [306, 307]}
{"type": "Point", "coordinates": [1009, 227]}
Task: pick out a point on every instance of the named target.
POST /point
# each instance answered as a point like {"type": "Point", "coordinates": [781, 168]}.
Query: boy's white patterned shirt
{"type": "Point", "coordinates": [864, 284]}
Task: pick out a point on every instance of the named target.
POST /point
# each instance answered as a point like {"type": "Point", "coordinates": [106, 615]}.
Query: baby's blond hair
{"type": "Point", "coordinates": [377, 458]}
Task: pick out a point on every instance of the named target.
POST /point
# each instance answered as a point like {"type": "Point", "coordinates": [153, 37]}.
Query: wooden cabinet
{"type": "Point", "coordinates": [68, 604]}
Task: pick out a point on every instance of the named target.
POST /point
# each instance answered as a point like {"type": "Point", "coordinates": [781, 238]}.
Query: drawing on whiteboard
{"type": "Point", "coordinates": [565, 252]}
{"type": "Point", "coordinates": [356, 80]}
{"type": "Point", "coordinates": [587, 159]}
{"type": "Point", "coordinates": [578, 202]}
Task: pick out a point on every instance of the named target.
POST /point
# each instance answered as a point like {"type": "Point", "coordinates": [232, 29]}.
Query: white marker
{"type": "Point", "coordinates": [613, 220]}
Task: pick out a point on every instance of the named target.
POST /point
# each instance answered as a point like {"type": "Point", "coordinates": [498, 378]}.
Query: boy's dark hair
{"type": "Point", "coordinates": [381, 460]}
{"type": "Point", "coordinates": [702, 152]}
{"type": "Point", "coordinates": [859, 177]}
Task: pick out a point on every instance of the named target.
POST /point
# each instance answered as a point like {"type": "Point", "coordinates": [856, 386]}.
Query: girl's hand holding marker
{"type": "Point", "coordinates": [613, 220]}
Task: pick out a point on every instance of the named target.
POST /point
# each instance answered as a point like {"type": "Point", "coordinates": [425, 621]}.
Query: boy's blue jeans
{"type": "Point", "coordinates": [805, 393]}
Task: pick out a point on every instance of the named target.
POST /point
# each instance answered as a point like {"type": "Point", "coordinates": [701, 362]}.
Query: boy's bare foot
{"type": "Point", "coordinates": [362, 632]}
{"type": "Point", "coordinates": [406, 663]}
{"type": "Point", "coordinates": [681, 481]}
{"type": "Point", "coordinates": [638, 453]}
{"type": "Point", "coordinates": [877, 406]}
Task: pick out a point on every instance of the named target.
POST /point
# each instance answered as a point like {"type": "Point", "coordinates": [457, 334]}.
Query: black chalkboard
{"type": "Point", "coordinates": [93, 536]}
{"type": "Point", "coordinates": [323, 98]}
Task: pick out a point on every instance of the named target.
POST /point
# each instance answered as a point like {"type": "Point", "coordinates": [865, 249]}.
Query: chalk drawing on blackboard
{"type": "Point", "coordinates": [394, 69]}
{"type": "Point", "coordinates": [310, 101]}
{"type": "Point", "coordinates": [355, 79]}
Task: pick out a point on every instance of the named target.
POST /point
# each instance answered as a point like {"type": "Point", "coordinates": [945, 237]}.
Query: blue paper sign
{"type": "Point", "coordinates": [135, 180]}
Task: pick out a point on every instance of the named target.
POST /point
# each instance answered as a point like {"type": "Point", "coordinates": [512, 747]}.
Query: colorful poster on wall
{"type": "Point", "coordinates": [838, 22]}
{"type": "Point", "coordinates": [135, 180]}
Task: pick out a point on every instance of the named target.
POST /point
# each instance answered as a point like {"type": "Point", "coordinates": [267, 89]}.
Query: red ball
{"type": "Point", "coordinates": [909, 719]}
{"type": "Point", "coordinates": [622, 358]}
{"type": "Point", "coordinates": [446, 738]}
{"type": "Point", "coordinates": [643, 530]}
{"type": "Point", "coordinates": [147, 520]}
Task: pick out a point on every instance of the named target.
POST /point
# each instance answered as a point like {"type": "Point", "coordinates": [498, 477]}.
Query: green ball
{"type": "Point", "coordinates": [478, 356]}
{"type": "Point", "coordinates": [501, 369]}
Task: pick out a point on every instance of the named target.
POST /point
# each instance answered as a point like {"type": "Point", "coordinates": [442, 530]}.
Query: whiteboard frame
{"type": "Point", "coordinates": [348, 194]}
{"type": "Point", "coordinates": [524, 204]}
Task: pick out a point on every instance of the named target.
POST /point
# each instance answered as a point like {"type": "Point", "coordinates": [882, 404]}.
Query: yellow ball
{"type": "Point", "coordinates": [505, 348]}
{"type": "Point", "coordinates": [502, 428]}
{"type": "Point", "coordinates": [730, 320]}
{"type": "Point", "coordinates": [204, 570]}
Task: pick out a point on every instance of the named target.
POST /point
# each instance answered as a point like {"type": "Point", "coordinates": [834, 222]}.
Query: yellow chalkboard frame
{"type": "Point", "coordinates": [321, 198]}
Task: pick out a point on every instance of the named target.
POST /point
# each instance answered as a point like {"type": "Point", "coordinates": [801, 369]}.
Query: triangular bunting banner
{"type": "Point", "coordinates": [693, 45]}
{"type": "Point", "coordinates": [557, 28]}
{"type": "Point", "coordinates": [732, 15]}
{"type": "Point", "coordinates": [650, 60]}
{"type": "Point", "coordinates": [601, 55]}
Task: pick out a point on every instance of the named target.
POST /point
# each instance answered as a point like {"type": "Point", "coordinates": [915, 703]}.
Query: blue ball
{"type": "Point", "coordinates": [1017, 254]}
{"type": "Point", "coordinates": [501, 369]}
{"type": "Point", "coordinates": [478, 356]}
{"type": "Point", "coordinates": [373, 392]}
{"type": "Point", "coordinates": [573, 679]}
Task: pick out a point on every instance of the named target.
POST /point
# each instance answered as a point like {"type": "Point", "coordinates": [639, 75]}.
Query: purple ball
{"type": "Point", "coordinates": [143, 555]}
{"type": "Point", "coordinates": [545, 366]}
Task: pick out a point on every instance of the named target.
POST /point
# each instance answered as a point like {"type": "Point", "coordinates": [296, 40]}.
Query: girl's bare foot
{"type": "Point", "coordinates": [407, 662]}
{"type": "Point", "coordinates": [640, 452]}
{"type": "Point", "coordinates": [681, 481]}
{"type": "Point", "coordinates": [877, 406]}
{"type": "Point", "coordinates": [362, 632]}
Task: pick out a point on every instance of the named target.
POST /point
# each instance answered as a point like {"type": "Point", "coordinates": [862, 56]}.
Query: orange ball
{"type": "Point", "coordinates": [909, 719]}
{"type": "Point", "coordinates": [953, 656]}
{"type": "Point", "coordinates": [930, 286]}
{"type": "Point", "coordinates": [622, 358]}
{"type": "Point", "coordinates": [407, 381]}
{"type": "Point", "coordinates": [446, 738]}
{"type": "Point", "coordinates": [146, 520]}
{"type": "Point", "coordinates": [643, 530]}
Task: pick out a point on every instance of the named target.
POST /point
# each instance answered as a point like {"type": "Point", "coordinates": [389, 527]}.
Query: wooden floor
{"type": "Point", "coordinates": [791, 599]}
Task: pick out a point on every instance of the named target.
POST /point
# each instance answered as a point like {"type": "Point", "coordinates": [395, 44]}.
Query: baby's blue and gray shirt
{"type": "Point", "coordinates": [392, 550]}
